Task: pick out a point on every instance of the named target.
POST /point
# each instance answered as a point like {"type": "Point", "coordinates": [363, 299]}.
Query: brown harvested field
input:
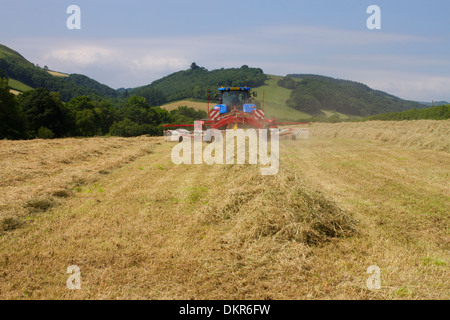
{"type": "Point", "coordinates": [140, 227]}
{"type": "Point", "coordinates": [421, 134]}
{"type": "Point", "coordinates": [51, 169]}
{"type": "Point", "coordinates": [190, 104]}
{"type": "Point", "coordinates": [58, 74]}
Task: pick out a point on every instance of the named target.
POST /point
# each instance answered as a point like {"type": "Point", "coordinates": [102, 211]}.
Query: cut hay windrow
{"type": "Point", "coordinates": [34, 172]}
{"type": "Point", "coordinates": [280, 207]}
{"type": "Point", "coordinates": [269, 228]}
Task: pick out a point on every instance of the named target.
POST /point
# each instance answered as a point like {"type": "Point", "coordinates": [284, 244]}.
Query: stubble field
{"type": "Point", "coordinates": [140, 227]}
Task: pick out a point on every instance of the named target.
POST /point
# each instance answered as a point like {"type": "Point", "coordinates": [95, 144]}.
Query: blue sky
{"type": "Point", "coordinates": [132, 43]}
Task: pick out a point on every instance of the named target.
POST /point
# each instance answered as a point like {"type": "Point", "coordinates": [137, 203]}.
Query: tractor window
{"type": "Point", "coordinates": [237, 98]}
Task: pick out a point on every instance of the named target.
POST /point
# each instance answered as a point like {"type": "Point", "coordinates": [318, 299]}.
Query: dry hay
{"type": "Point", "coordinates": [36, 175]}
{"type": "Point", "coordinates": [269, 226]}
{"type": "Point", "coordinates": [277, 206]}
{"type": "Point", "coordinates": [190, 104]}
{"type": "Point", "coordinates": [422, 134]}
{"type": "Point", "coordinates": [58, 74]}
{"type": "Point", "coordinates": [160, 231]}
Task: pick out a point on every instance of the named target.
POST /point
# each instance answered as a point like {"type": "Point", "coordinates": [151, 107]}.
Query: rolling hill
{"type": "Point", "coordinates": [194, 82]}
{"type": "Point", "coordinates": [13, 56]}
{"type": "Point", "coordinates": [294, 97]}
{"type": "Point", "coordinates": [24, 76]}
{"type": "Point", "coordinates": [313, 93]}
{"type": "Point", "coordinates": [275, 98]}
{"type": "Point", "coordinates": [341, 99]}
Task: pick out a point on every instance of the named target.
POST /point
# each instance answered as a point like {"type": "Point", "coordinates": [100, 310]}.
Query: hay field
{"type": "Point", "coordinates": [50, 169]}
{"type": "Point", "coordinates": [190, 104]}
{"type": "Point", "coordinates": [421, 134]}
{"type": "Point", "coordinates": [140, 227]}
{"type": "Point", "coordinates": [58, 74]}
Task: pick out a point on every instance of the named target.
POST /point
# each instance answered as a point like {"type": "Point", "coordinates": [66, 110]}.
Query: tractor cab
{"type": "Point", "coordinates": [235, 98]}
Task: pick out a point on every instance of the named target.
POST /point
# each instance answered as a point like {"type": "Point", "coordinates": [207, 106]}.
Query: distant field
{"type": "Point", "coordinates": [58, 74]}
{"type": "Point", "coordinates": [197, 105]}
{"type": "Point", "coordinates": [330, 113]}
{"type": "Point", "coordinates": [18, 86]}
{"type": "Point", "coordinates": [275, 101]}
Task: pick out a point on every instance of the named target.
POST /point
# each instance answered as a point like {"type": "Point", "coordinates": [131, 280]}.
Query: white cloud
{"type": "Point", "coordinates": [157, 63]}
{"type": "Point", "coordinates": [82, 56]}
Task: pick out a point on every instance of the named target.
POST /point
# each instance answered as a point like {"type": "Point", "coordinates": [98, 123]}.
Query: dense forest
{"type": "Point", "coordinates": [194, 82]}
{"type": "Point", "coordinates": [312, 94]}
{"type": "Point", "coordinates": [42, 114]}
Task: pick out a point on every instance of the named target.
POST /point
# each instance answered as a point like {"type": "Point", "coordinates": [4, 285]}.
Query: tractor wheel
{"type": "Point", "coordinates": [180, 139]}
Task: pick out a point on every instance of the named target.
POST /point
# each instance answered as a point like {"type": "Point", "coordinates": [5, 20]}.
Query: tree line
{"type": "Point", "coordinates": [42, 114]}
